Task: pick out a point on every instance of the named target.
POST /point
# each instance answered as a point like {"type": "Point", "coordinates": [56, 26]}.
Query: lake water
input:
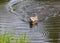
{"type": "Point", "coordinates": [48, 28]}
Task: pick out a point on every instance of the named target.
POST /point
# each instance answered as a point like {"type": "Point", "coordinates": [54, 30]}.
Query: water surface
{"type": "Point", "coordinates": [48, 29]}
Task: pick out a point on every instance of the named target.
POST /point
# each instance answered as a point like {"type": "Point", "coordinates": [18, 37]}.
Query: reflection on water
{"type": "Point", "coordinates": [3, 1]}
{"type": "Point", "coordinates": [53, 29]}
{"type": "Point", "coordinates": [46, 32]}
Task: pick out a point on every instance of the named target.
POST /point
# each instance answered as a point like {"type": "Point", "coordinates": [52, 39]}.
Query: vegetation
{"type": "Point", "coordinates": [3, 1]}
{"type": "Point", "coordinates": [9, 38]}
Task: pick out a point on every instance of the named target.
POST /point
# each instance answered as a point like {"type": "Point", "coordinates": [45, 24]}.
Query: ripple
{"type": "Point", "coordinates": [24, 9]}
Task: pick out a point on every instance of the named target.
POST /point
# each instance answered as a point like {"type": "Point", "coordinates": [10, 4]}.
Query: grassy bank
{"type": "Point", "coordinates": [9, 38]}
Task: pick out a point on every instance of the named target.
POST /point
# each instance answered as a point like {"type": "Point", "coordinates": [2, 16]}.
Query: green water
{"type": "Point", "coordinates": [53, 29]}
{"type": "Point", "coordinates": [4, 1]}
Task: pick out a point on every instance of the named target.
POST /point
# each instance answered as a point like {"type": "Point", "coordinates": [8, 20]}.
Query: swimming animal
{"type": "Point", "coordinates": [33, 21]}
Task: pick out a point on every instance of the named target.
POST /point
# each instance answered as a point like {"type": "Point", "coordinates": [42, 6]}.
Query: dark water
{"type": "Point", "coordinates": [53, 29]}
{"type": "Point", "coordinates": [48, 29]}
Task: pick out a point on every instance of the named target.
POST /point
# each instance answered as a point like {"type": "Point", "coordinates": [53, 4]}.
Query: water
{"type": "Point", "coordinates": [48, 29]}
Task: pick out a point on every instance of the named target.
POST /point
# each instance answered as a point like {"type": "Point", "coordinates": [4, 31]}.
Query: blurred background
{"type": "Point", "coordinates": [47, 31]}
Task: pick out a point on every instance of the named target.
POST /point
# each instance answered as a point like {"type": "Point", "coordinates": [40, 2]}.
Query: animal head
{"type": "Point", "coordinates": [34, 20]}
